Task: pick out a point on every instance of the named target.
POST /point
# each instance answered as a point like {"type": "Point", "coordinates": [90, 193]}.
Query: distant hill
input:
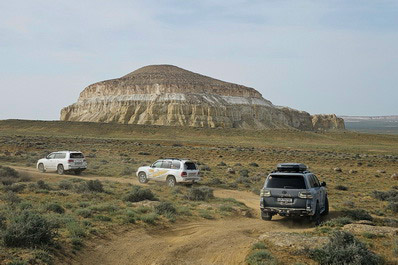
{"type": "Point", "coordinates": [372, 124]}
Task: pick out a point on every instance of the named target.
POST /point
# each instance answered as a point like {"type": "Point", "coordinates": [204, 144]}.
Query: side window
{"type": "Point", "coordinates": [316, 181]}
{"type": "Point", "coordinates": [51, 156]}
{"type": "Point", "coordinates": [176, 165]}
{"type": "Point", "coordinates": [157, 164]}
{"type": "Point", "coordinates": [60, 155]}
{"type": "Point", "coordinates": [166, 164]}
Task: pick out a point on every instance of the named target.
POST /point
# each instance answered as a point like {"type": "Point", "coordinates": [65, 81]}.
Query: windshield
{"type": "Point", "coordinates": [76, 155]}
{"type": "Point", "coordinates": [190, 166]}
{"type": "Point", "coordinates": [286, 182]}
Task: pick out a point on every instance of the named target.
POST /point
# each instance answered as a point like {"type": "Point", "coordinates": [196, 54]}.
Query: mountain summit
{"type": "Point", "coordinates": [169, 95]}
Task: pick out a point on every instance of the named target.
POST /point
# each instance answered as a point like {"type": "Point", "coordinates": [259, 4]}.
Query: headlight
{"type": "Point", "coordinates": [265, 193]}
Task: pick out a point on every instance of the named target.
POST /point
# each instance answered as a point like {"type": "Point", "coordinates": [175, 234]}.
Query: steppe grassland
{"type": "Point", "coordinates": [229, 158]}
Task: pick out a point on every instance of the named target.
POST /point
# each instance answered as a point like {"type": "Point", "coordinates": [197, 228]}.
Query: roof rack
{"type": "Point", "coordinates": [292, 167]}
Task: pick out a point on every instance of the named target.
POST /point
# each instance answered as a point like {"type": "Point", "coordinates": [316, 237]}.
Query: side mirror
{"type": "Point", "coordinates": [323, 184]}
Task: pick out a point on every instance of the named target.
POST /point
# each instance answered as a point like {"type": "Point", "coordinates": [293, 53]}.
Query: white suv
{"type": "Point", "coordinates": [171, 170]}
{"type": "Point", "coordinates": [63, 161]}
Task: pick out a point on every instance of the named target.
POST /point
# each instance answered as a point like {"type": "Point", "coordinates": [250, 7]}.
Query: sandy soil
{"type": "Point", "coordinates": [225, 241]}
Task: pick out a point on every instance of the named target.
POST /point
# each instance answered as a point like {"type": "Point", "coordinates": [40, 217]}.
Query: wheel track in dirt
{"type": "Point", "coordinates": [222, 241]}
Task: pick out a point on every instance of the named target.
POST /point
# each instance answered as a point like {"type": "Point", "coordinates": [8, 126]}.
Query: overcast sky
{"type": "Point", "coordinates": [319, 56]}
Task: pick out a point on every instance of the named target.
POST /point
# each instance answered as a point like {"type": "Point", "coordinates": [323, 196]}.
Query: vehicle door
{"type": "Point", "coordinates": [321, 191]}
{"type": "Point", "coordinates": [59, 159]}
{"type": "Point", "coordinates": [165, 170]}
{"type": "Point", "coordinates": [316, 187]}
{"type": "Point", "coordinates": [50, 162]}
{"type": "Point", "coordinates": [153, 172]}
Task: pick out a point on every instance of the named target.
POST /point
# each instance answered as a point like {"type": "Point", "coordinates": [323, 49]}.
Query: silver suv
{"type": "Point", "coordinates": [62, 161]}
{"type": "Point", "coordinates": [292, 190]}
{"type": "Point", "coordinates": [170, 170]}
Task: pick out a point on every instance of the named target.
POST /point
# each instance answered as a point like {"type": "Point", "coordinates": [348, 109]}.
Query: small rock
{"type": "Point", "coordinates": [394, 176]}
{"type": "Point", "coordinates": [381, 171]}
{"type": "Point", "coordinates": [230, 171]}
{"type": "Point", "coordinates": [352, 171]}
{"type": "Point", "coordinates": [337, 169]}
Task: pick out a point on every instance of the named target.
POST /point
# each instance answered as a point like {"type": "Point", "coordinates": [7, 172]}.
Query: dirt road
{"type": "Point", "coordinates": [225, 241]}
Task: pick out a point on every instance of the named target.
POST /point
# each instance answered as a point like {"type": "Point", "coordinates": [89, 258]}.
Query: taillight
{"type": "Point", "coordinates": [265, 193]}
{"type": "Point", "coordinates": [71, 161]}
{"type": "Point", "coordinates": [183, 174]}
{"type": "Point", "coordinates": [305, 195]}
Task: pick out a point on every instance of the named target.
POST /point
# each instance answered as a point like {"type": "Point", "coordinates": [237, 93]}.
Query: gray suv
{"type": "Point", "coordinates": [292, 190]}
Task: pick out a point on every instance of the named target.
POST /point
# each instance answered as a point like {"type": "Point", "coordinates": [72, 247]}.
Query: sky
{"type": "Point", "coordinates": [319, 56]}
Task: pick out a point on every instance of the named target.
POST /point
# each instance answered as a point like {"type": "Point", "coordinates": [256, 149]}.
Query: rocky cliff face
{"type": "Point", "coordinates": [168, 95]}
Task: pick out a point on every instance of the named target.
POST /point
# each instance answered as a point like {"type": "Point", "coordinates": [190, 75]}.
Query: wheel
{"type": "Point", "coordinates": [317, 216]}
{"type": "Point", "coordinates": [326, 211]}
{"type": "Point", "coordinates": [266, 216]}
{"type": "Point", "coordinates": [60, 169]}
{"type": "Point", "coordinates": [171, 181]}
{"type": "Point", "coordinates": [142, 177]}
{"type": "Point", "coordinates": [78, 172]}
{"type": "Point", "coordinates": [41, 168]}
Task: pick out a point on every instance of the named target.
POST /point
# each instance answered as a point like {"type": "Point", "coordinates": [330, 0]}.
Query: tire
{"type": "Point", "coordinates": [171, 181]}
{"type": "Point", "coordinates": [142, 177]}
{"type": "Point", "coordinates": [266, 216]}
{"type": "Point", "coordinates": [326, 211]}
{"type": "Point", "coordinates": [41, 168]}
{"type": "Point", "coordinates": [317, 215]}
{"type": "Point", "coordinates": [78, 172]}
{"type": "Point", "coordinates": [60, 169]}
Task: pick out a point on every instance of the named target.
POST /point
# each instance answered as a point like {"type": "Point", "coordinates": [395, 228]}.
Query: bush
{"type": "Point", "coordinates": [344, 248]}
{"type": "Point", "coordinates": [139, 194]}
{"type": "Point", "coordinates": [165, 208]}
{"type": "Point", "coordinates": [244, 173]}
{"type": "Point", "coordinates": [7, 172]}
{"type": "Point", "coordinates": [85, 213]}
{"type": "Point", "coordinates": [391, 195]}
{"type": "Point", "coordinates": [103, 218]}
{"type": "Point", "coordinates": [200, 194]}
{"type": "Point", "coordinates": [149, 218]}
{"type": "Point", "coordinates": [357, 214]}
{"type": "Point", "coordinates": [56, 208]}
{"type": "Point", "coordinates": [65, 185]}
{"type": "Point", "coordinates": [393, 207]}
{"type": "Point", "coordinates": [127, 171]}
{"type": "Point", "coordinates": [205, 168]}
{"type": "Point", "coordinates": [28, 229]}
{"type": "Point", "coordinates": [95, 186]}
{"type": "Point", "coordinates": [259, 245]}
{"type": "Point", "coordinates": [42, 185]}
{"type": "Point", "coordinates": [338, 222]}
{"type": "Point", "coordinates": [221, 164]}
{"type": "Point", "coordinates": [11, 197]}
{"type": "Point", "coordinates": [15, 187]}
{"type": "Point", "coordinates": [253, 164]}
{"type": "Point", "coordinates": [260, 257]}
{"type": "Point", "coordinates": [2, 221]}
{"type": "Point", "coordinates": [341, 187]}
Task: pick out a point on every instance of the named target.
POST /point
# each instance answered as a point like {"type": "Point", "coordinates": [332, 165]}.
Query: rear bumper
{"type": "Point", "coordinates": [189, 180]}
{"type": "Point", "coordinates": [81, 168]}
{"type": "Point", "coordinates": [287, 211]}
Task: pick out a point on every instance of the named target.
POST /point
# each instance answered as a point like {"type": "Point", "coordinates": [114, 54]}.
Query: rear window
{"type": "Point", "coordinates": [190, 166]}
{"type": "Point", "coordinates": [76, 155]}
{"type": "Point", "coordinates": [286, 182]}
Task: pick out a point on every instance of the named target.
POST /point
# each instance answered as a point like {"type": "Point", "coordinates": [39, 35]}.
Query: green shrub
{"type": "Point", "coordinates": [149, 218]}
{"type": "Point", "coordinates": [205, 214]}
{"type": "Point", "coordinates": [3, 220]}
{"type": "Point", "coordinates": [259, 245]}
{"type": "Point", "coordinates": [103, 218]}
{"type": "Point", "coordinates": [253, 164]}
{"type": "Point", "coordinates": [391, 195]}
{"type": "Point", "coordinates": [56, 208]}
{"type": "Point", "coordinates": [131, 217]}
{"type": "Point", "coordinates": [28, 229]}
{"type": "Point", "coordinates": [393, 206]}
{"type": "Point", "coordinates": [338, 222]}
{"type": "Point", "coordinates": [95, 186]}
{"type": "Point", "coordinates": [7, 172]}
{"type": "Point", "coordinates": [260, 257]}
{"type": "Point", "coordinates": [165, 208]}
{"type": "Point", "coordinates": [341, 187]}
{"type": "Point", "coordinates": [344, 248]}
{"type": "Point", "coordinates": [75, 230]}
{"type": "Point", "coordinates": [14, 187]}
{"type": "Point", "coordinates": [65, 185]}
{"type": "Point", "coordinates": [139, 194]}
{"type": "Point", "coordinates": [244, 173]}
{"type": "Point", "coordinates": [42, 185]}
{"type": "Point", "coordinates": [11, 197]}
{"type": "Point", "coordinates": [127, 171]}
{"type": "Point", "coordinates": [200, 193]}
{"type": "Point", "coordinates": [357, 214]}
{"type": "Point", "coordinates": [85, 213]}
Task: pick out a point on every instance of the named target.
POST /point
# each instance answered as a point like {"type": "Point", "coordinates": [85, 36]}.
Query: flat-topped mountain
{"type": "Point", "coordinates": [169, 95]}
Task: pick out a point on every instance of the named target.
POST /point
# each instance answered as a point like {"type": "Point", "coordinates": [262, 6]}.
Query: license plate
{"type": "Point", "coordinates": [192, 174]}
{"type": "Point", "coordinates": [285, 200]}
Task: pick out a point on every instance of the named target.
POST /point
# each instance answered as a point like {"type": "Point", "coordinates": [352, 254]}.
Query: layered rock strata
{"type": "Point", "coordinates": [169, 95]}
